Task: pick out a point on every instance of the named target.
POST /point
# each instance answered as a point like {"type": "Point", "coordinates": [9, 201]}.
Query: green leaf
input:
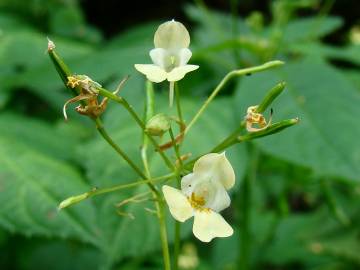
{"type": "Point", "coordinates": [104, 166]}
{"type": "Point", "coordinates": [39, 135]}
{"type": "Point", "coordinates": [25, 64]}
{"type": "Point", "coordinates": [27, 48]}
{"type": "Point", "coordinates": [294, 236]}
{"type": "Point", "coordinates": [217, 122]}
{"type": "Point", "coordinates": [344, 246]}
{"type": "Point", "coordinates": [350, 53]}
{"type": "Point", "coordinates": [70, 22]}
{"type": "Point", "coordinates": [310, 28]}
{"type": "Point", "coordinates": [109, 65]}
{"type": "Point", "coordinates": [4, 98]}
{"type": "Point", "coordinates": [353, 76]}
{"type": "Point", "coordinates": [66, 254]}
{"type": "Point", "coordinates": [326, 104]}
{"type": "Point", "coordinates": [136, 36]}
{"type": "Point", "coordinates": [32, 185]}
{"type": "Point", "coordinates": [127, 236]}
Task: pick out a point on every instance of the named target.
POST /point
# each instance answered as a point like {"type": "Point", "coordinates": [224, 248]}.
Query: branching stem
{"type": "Point", "coordinates": [226, 79]}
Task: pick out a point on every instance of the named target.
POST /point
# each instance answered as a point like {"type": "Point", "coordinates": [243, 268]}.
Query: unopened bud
{"type": "Point", "coordinates": [158, 124]}
{"type": "Point", "coordinates": [73, 200]}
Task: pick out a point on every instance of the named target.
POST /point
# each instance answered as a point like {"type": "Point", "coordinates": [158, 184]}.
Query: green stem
{"type": "Point", "coordinates": [178, 103]}
{"type": "Point", "coordinates": [272, 94]}
{"type": "Point", "coordinates": [61, 68]}
{"type": "Point", "coordinates": [267, 100]}
{"type": "Point", "coordinates": [177, 244]}
{"type": "Point", "coordinates": [245, 211]}
{"type": "Point", "coordinates": [137, 119]}
{"type": "Point", "coordinates": [211, 20]}
{"type": "Point", "coordinates": [130, 185]}
{"type": "Point", "coordinates": [105, 135]}
{"type": "Point", "coordinates": [175, 145]}
{"type": "Point", "coordinates": [230, 140]}
{"type": "Point", "coordinates": [228, 77]}
{"type": "Point", "coordinates": [177, 228]}
{"type": "Point", "coordinates": [149, 111]}
{"type": "Point", "coordinates": [272, 129]}
{"type": "Point", "coordinates": [163, 234]}
{"type": "Point", "coordinates": [234, 137]}
{"type": "Point", "coordinates": [78, 198]}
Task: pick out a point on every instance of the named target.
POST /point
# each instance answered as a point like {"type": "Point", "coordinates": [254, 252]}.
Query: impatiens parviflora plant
{"type": "Point", "coordinates": [202, 193]}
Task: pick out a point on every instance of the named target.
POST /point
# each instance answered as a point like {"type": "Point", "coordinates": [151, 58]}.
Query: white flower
{"type": "Point", "coordinates": [202, 195]}
{"type": "Point", "coordinates": [170, 55]}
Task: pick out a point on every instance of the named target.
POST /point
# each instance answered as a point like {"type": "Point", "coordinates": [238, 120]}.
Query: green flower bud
{"type": "Point", "coordinates": [73, 200]}
{"type": "Point", "coordinates": [158, 124]}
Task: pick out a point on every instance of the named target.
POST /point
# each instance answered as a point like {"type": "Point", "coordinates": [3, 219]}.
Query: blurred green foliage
{"type": "Point", "coordinates": [306, 197]}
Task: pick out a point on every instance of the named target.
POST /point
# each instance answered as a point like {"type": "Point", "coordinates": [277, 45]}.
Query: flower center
{"type": "Point", "coordinates": [171, 62]}
{"type": "Point", "coordinates": [197, 202]}
{"type": "Point", "coordinates": [201, 196]}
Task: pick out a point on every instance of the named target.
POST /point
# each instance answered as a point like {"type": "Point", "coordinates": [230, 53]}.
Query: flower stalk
{"type": "Point", "coordinates": [149, 112]}
{"type": "Point", "coordinates": [177, 228]}
{"type": "Point", "coordinates": [98, 191]}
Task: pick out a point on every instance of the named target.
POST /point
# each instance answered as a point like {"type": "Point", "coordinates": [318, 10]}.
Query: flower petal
{"type": "Point", "coordinates": [152, 72]}
{"type": "Point", "coordinates": [189, 182]}
{"type": "Point", "coordinates": [209, 224]}
{"type": "Point", "coordinates": [179, 206]}
{"type": "Point", "coordinates": [179, 72]}
{"type": "Point", "coordinates": [218, 166]}
{"type": "Point", "coordinates": [171, 35]}
{"type": "Point", "coordinates": [220, 201]}
{"type": "Point", "coordinates": [184, 56]}
{"type": "Point", "coordinates": [160, 58]}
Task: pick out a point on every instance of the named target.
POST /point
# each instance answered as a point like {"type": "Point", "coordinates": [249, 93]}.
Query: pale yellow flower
{"type": "Point", "coordinates": [203, 195]}
{"type": "Point", "coordinates": [170, 56]}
